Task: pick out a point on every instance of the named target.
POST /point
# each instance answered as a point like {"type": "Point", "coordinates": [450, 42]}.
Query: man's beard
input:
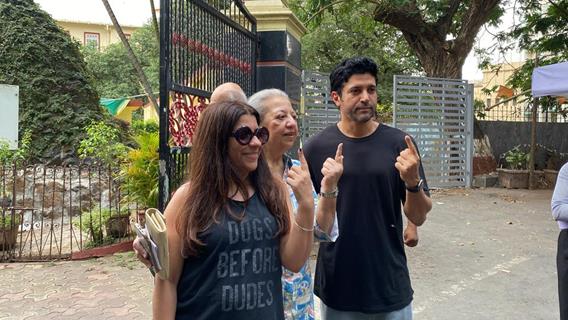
{"type": "Point", "coordinates": [355, 116]}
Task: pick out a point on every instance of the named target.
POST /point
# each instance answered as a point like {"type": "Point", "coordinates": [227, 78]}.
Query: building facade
{"type": "Point", "coordinates": [99, 35]}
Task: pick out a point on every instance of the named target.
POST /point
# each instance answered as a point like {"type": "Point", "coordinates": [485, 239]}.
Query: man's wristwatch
{"type": "Point", "coordinates": [416, 188]}
{"type": "Point", "coordinates": [331, 194]}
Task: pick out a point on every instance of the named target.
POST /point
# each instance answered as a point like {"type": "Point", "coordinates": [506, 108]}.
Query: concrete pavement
{"type": "Point", "coordinates": [483, 254]}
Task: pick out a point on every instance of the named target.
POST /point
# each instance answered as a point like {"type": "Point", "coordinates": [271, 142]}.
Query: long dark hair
{"type": "Point", "coordinates": [212, 174]}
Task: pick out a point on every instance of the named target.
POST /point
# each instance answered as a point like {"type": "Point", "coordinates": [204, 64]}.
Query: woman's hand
{"type": "Point", "coordinates": [141, 254]}
{"type": "Point", "coordinates": [300, 181]}
{"type": "Point", "coordinates": [332, 170]}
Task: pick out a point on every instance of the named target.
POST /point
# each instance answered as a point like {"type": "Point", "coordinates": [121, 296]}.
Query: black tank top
{"type": "Point", "coordinates": [237, 274]}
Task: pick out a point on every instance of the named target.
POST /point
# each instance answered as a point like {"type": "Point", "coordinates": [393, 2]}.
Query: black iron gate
{"type": "Point", "coordinates": [202, 45]}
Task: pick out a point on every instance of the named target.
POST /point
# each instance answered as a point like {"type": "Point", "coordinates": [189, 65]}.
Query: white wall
{"type": "Point", "coordinates": [9, 105]}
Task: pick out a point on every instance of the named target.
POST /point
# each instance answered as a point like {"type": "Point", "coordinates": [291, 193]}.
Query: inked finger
{"type": "Point", "coordinates": [410, 145]}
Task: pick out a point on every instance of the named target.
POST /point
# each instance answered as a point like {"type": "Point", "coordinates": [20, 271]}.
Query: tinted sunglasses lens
{"type": "Point", "coordinates": [243, 135]}
{"type": "Point", "coordinates": [262, 134]}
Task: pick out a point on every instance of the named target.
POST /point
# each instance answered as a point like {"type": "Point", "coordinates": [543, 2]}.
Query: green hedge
{"type": "Point", "coordinates": [57, 99]}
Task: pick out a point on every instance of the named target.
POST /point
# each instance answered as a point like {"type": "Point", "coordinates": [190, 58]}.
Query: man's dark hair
{"type": "Point", "coordinates": [348, 67]}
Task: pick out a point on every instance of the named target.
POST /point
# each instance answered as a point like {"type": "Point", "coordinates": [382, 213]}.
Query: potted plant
{"type": "Point", "coordinates": [516, 176]}
{"type": "Point", "coordinates": [117, 224]}
{"type": "Point", "coordinates": [139, 172]}
{"type": "Point", "coordinates": [550, 176]}
{"type": "Point", "coordinates": [9, 223]}
{"type": "Point", "coordinates": [103, 225]}
{"type": "Point", "coordinates": [92, 223]}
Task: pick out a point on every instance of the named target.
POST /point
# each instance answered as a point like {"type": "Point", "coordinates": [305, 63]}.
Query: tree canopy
{"type": "Point", "coordinates": [348, 32]}
{"type": "Point", "coordinates": [440, 33]}
{"type": "Point", "coordinates": [542, 31]}
{"type": "Point", "coordinates": [56, 98]}
{"type": "Point", "coordinates": [112, 73]}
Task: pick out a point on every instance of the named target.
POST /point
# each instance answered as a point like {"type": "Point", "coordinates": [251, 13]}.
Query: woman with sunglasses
{"type": "Point", "coordinates": [277, 114]}
{"type": "Point", "coordinates": [229, 229]}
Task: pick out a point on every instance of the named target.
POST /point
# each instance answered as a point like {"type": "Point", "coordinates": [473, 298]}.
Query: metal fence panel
{"type": "Point", "coordinates": [438, 113]}
{"type": "Point", "coordinates": [55, 212]}
{"type": "Point", "coordinates": [317, 108]}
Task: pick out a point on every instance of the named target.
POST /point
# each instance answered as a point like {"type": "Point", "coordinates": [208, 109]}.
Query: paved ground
{"type": "Point", "coordinates": [483, 254]}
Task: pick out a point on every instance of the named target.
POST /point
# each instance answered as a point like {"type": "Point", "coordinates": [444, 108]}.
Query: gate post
{"type": "Point", "coordinates": [164, 148]}
{"type": "Point", "coordinates": [279, 60]}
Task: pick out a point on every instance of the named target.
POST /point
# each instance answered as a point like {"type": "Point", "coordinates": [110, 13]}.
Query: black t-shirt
{"type": "Point", "coordinates": [365, 270]}
{"type": "Point", "coordinates": [237, 274]}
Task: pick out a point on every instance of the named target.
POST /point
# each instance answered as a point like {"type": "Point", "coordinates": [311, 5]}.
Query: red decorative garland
{"type": "Point", "coordinates": [212, 53]}
{"type": "Point", "coordinates": [183, 118]}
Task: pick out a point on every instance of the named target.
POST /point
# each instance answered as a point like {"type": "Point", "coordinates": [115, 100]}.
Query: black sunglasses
{"type": "Point", "coordinates": [244, 135]}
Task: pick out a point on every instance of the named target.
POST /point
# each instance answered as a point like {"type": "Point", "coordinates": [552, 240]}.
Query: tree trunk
{"type": "Point", "coordinates": [534, 110]}
{"type": "Point", "coordinates": [155, 20]}
{"type": "Point", "coordinates": [435, 60]}
{"type": "Point", "coordinates": [141, 75]}
{"type": "Point", "coordinates": [438, 56]}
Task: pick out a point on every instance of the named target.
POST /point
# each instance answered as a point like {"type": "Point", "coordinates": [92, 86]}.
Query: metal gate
{"type": "Point", "coordinates": [202, 45]}
{"type": "Point", "coordinates": [317, 108]}
{"type": "Point", "coordinates": [438, 113]}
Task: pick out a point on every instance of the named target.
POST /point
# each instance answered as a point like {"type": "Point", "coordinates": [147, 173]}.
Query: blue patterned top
{"type": "Point", "coordinates": [297, 288]}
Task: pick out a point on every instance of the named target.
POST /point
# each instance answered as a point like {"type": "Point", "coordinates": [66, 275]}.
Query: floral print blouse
{"type": "Point", "coordinates": [298, 287]}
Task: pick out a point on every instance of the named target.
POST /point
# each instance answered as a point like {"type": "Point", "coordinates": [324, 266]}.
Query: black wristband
{"type": "Point", "coordinates": [416, 188]}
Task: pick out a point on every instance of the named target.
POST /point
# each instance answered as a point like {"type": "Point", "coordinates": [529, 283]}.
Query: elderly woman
{"type": "Point", "coordinates": [278, 116]}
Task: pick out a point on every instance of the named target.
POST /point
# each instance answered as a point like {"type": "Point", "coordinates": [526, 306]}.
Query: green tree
{"type": "Point", "coordinates": [543, 31]}
{"type": "Point", "coordinates": [439, 33]}
{"type": "Point", "coordinates": [112, 73]}
{"type": "Point", "coordinates": [56, 98]}
{"type": "Point", "coordinates": [349, 32]}
{"type": "Point", "coordinates": [102, 143]}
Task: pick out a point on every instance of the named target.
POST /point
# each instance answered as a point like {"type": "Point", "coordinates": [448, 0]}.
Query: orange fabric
{"type": "Point", "coordinates": [504, 92]}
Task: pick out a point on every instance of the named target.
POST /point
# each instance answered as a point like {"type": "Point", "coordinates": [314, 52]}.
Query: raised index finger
{"type": "Point", "coordinates": [303, 162]}
{"type": "Point", "coordinates": [339, 153]}
{"type": "Point", "coordinates": [410, 145]}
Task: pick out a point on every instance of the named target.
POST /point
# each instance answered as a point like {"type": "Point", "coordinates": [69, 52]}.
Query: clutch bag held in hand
{"type": "Point", "coordinates": [156, 227]}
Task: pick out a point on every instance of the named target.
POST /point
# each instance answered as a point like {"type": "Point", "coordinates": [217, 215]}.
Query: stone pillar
{"type": "Point", "coordinates": [279, 61]}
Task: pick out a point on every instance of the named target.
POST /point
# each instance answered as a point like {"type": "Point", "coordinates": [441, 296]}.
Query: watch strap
{"type": "Point", "coordinates": [331, 194]}
{"type": "Point", "coordinates": [416, 188]}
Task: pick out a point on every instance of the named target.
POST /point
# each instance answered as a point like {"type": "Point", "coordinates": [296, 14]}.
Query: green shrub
{"type": "Point", "coordinates": [140, 171]}
{"type": "Point", "coordinates": [102, 143]}
{"type": "Point", "coordinates": [95, 222]}
{"type": "Point", "coordinates": [57, 99]}
{"type": "Point", "coordinates": [9, 221]}
{"type": "Point", "coordinates": [92, 223]}
{"type": "Point", "coordinates": [384, 112]}
{"type": "Point", "coordinates": [8, 157]}
{"type": "Point", "coordinates": [516, 158]}
{"type": "Point", "coordinates": [141, 126]}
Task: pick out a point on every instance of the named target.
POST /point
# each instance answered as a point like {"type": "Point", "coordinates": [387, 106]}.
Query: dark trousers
{"type": "Point", "coordinates": [562, 267]}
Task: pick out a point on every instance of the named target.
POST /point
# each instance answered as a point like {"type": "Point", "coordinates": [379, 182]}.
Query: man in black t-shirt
{"type": "Point", "coordinates": [364, 274]}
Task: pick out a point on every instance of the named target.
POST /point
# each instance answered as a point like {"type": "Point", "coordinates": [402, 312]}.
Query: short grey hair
{"type": "Point", "coordinates": [258, 100]}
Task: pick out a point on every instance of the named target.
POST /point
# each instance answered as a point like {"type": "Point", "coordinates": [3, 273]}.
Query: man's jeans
{"type": "Point", "coordinates": [328, 313]}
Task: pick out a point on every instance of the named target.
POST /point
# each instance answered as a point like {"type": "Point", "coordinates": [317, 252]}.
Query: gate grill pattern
{"type": "Point", "coordinates": [211, 43]}
{"type": "Point", "coordinates": [203, 44]}
{"type": "Point", "coordinates": [318, 110]}
{"type": "Point", "coordinates": [438, 114]}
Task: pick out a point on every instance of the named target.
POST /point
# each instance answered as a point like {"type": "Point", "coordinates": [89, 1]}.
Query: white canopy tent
{"type": "Point", "coordinates": [551, 80]}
